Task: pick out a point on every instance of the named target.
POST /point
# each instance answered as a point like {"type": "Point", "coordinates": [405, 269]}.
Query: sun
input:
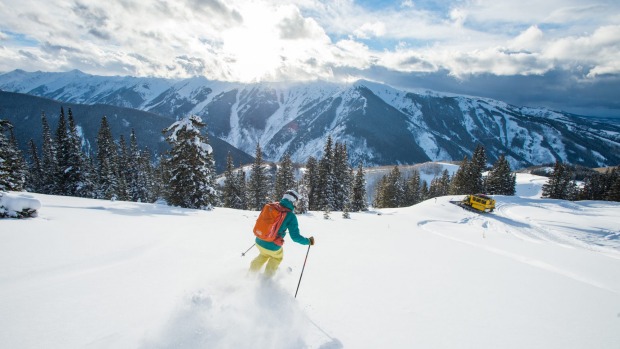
{"type": "Point", "coordinates": [254, 48]}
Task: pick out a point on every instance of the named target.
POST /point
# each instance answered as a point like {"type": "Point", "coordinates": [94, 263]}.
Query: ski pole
{"type": "Point", "coordinates": [302, 271]}
{"type": "Point", "coordinates": [246, 251]}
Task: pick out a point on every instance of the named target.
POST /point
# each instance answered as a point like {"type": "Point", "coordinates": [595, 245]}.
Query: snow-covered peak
{"type": "Point", "coordinates": [379, 123]}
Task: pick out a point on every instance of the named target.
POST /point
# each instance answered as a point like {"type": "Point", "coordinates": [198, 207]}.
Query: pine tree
{"type": "Point", "coordinates": [380, 193]}
{"type": "Point", "coordinates": [90, 188]}
{"type": "Point", "coordinates": [301, 206]}
{"type": "Point", "coordinates": [572, 191]}
{"type": "Point", "coordinates": [560, 184]}
{"type": "Point", "coordinates": [12, 165]}
{"type": "Point", "coordinates": [17, 163]}
{"type": "Point", "coordinates": [48, 159]}
{"type": "Point", "coordinates": [478, 165]}
{"type": "Point", "coordinates": [229, 192]}
{"type": "Point", "coordinates": [285, 178]}
{"type": "Point", "coordinates": [241, 186]}
{"type": "Point", "coordinates": [390, 192]}
{"type": "Point", "coordinates": [424, 191]}
{"type": "Point", "coordinates": [162, 178]}
{"type": "Point", "coordinates": [258, 186]}
{"type": "Point", "coordinates": [613, 193]}
{"type": "Point", "coordinates": [107, 173]}
{"type": "Point", "coordinates": [550, 188]}
{"type": "Point", "coordinates": [412, 189]}
{"type": "Point", "coordinates": [325, 185]}
{"type": "Point", "coordinates": [35, 173]}
{"type": "Point", "coordinates": [122, 169]}
{"type": "Point", "coordinates": [594, 187]}
{"type": "Point", "coordinates": [62, 181]}
{"type": "Point", "coordinates": [81, 178]}
{"type": "Point", "coordinates": [326, 212]}
{"type": "Point", "coordinates": [434, 188]}
{"type": "Point", "coordinates": [444, 184]}
{"type": "Point", "coordinates": [395, 190]}
{"type": "Point", "coordinates": [311, 182]}
{"type": "Point", "coordinates": [609, 180]}
{"type": "Point", "coordinates": [147, 184]}
{"type": "Point", "coordinates": [134, 170]}
{"type": "Point", "coordinates": [6, 182]}
{"type": "Point", "coordinates": [343, 178]}
{"type": "Point", "coordinates": [440, 186]}
{"type": "Point", "coordinates": [190, 165]}
{"type": "Point", "coordinates": [345, 212]}
{"type": "Point", "coordinates": [70, 178]}
{"type": "Point", "coordinates": [459, 184]}
{"type": "Point", "coordinates": [358, 200]}
{"type": "Point", "coordinates": [233, 195]}
{"type": "Point", "coordinates": [501, 180]}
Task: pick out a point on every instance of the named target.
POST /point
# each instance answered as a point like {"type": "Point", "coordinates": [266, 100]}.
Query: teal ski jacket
{"type": "Point", "coordinates": [290, 224]}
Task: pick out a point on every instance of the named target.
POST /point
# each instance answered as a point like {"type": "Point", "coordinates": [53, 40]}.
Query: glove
{"type": "Point", "coordinates": [311, 240]}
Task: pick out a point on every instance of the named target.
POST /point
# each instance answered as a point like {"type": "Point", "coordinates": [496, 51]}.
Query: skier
{"type": "Point", "coordinates": [271, 252]}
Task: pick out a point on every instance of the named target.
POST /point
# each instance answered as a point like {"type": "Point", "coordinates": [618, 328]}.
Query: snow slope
{"type": "Point", "coordinates": [536, 273]}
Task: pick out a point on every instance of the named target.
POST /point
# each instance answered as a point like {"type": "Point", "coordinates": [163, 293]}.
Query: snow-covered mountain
{"type": "Point", "coordinates": [381, 125]}
{"type": "Point", "coordinates": [24, 112]}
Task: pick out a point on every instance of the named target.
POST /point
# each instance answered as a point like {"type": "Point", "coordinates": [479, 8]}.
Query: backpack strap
{"type": "Point", "coordinates": [278, 206]}
{"type": "Point", "coordinates": [279, 240]}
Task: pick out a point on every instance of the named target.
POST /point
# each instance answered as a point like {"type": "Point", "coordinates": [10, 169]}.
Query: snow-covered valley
{"type": "Point", "coordinates": [535, 273]}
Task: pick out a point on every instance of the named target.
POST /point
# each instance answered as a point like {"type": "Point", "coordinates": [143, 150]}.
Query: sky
{"type": "Point", "coordinates": [562, 54]}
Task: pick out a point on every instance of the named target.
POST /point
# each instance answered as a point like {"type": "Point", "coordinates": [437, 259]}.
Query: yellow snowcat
{"type": "Point", "coordinates": [476, 203]}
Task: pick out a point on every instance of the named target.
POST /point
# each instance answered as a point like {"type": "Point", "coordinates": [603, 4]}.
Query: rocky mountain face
{"type": "Point", "coordinates": [24, 113]}
{"type": "Point", "coordinates": [381, 125]}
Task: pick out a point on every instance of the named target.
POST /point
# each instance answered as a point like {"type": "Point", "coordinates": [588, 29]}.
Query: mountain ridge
{"type": "Point", "coordinates": [381, 125]}
{"type": "Point", "coordinates": [24, 112]}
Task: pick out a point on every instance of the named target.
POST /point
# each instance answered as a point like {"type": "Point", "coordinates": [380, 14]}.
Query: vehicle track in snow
{"type": "Point", "coordinates": [427, 225]}
{"type": "Point", "coordinates": [523, 227]}
{"type": "Point", "coordinates": [526, 228]}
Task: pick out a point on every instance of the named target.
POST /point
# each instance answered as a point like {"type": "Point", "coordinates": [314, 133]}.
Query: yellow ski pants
{"type": "Point", "coordinates": [272, 258]}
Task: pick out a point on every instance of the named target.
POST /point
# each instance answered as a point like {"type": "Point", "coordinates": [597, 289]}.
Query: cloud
{"type": "Point", "coordinates": [458, 16]}
{"type": "Point", "coordinates": [407, 4]}
{"type": "Point", "coordinates": [230, 35]}
{"type": "Point", "coordinates": [192, 65]}
{"type": "Point", "coordinates": [353, 54]}
{"type": "Point", "coordinates": [251, 40]}
{"type": "Point", "coordinates": [93, 16]}
{"type": "Point", "coordinates": [530, 39]}
{"type": "Point", "coordinates": [369, 30]}
{"type": "Point", "coordinates": [599, 51]}
{"type": "Point", "coordinates": [218, 9]}
{"type": "Point", "coordinates": [294, 26]}
{"type": "Point", "coordinates": [59, 49]}
{"type": "Point", "coordinates": [597, 97]}
{"type": "Point", "coordinates": [29, 55]}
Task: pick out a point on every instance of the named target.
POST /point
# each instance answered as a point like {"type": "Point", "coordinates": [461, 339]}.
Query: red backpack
{"type": "Point", "coordinates": [269, 222]}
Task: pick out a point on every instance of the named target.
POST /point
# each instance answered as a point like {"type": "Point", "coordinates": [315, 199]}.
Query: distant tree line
{"type": "Point", "coordinates": [62, 167]}
{"type": "Point", "coordinates": [184, 176]}
{"type": "Point", "coordinates": [327, 184]}
{"type": "Point", "coordinates": [117, 171]}
{"type": "Point", "coordinates": [595, 186]}
{"type": "Point", "coordinates": [394, 190]}
{"type": "Point", "coordinates": [13, 169]}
